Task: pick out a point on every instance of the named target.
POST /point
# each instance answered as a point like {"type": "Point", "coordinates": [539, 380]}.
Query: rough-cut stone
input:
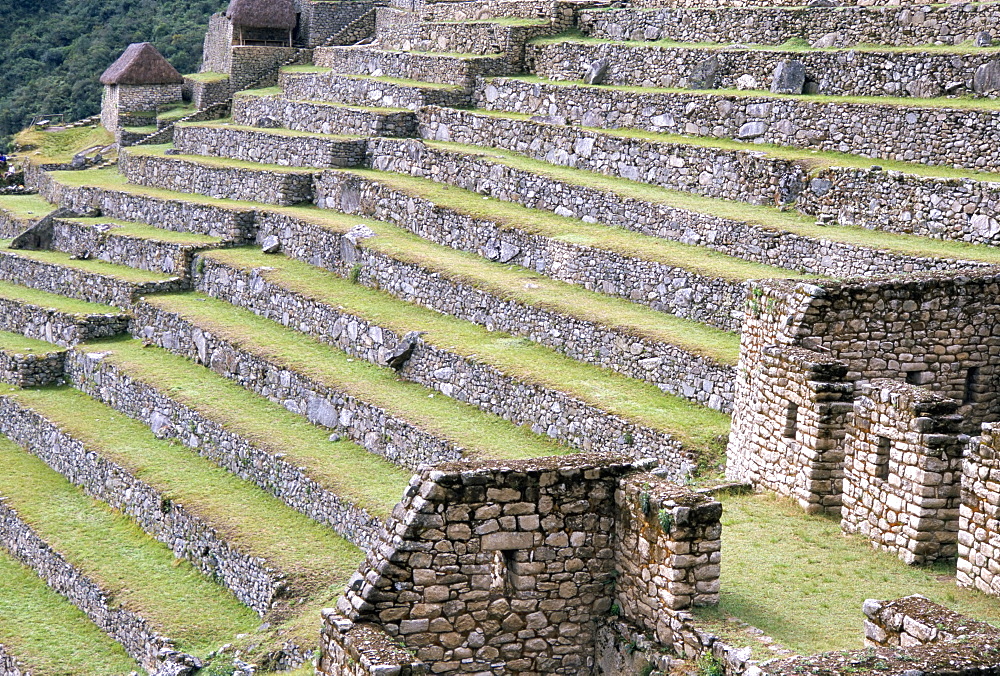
{"type": "Point", "coordinates": [789, 77]}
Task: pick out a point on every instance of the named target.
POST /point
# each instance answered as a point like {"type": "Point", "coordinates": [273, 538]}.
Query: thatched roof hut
{"type": "Point", "coordinates": [141, 64]}
{"type": "Point", "coordinates": [276, 14]}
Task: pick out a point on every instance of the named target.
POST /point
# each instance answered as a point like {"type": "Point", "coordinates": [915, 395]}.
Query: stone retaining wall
{"type": "Point", "coordinates": [319, 118]}
{"type": "Point", "coordinates": [835, 72]}
{"type": "Point", "coordinates": [10, 665]}
{"type": "Point", "coordinates": [978, 550]}
{"type": "Point", "coordinates": [31, 369]}
{"type": "Point", "coordinates": [170, 419]}
{"type": "Point", "coordinates": [59, 328]}
{"type": "Point", "coordinates": [76, 283]}
{"type": "Point", "coordinates": [132, 631]}
{"type": "Point", "coordinates": [267, 147]}
{"type": "Point", "coordinates": [250, 579]}
{"type": "Point", "coordinates": [268, 186]}
{"type": "Point", "coordinates": [746, 240]}
{"type": "Point", "coordinates": [373, 428]}
{"type": "Point", "coordinates": [428, 67]}
{"type": "Point", "coordinates": [874, 25]}
{"type": "Point", "coordinates": [562, 14]}
{"type": "Point", "coordinates": [902, 471]}
{"type": "Point", "coordinates": [365, 91]}
{"type": "Point", "coordinates": [928, 135]}
{"type": "Point", "coordinates": [915, 620]}
{"type": "Point", "coordinates": [671, 368]}
{"type": "Point", "coordinates": [946, 208]}
{"type": "Point", "coordinates": [662, 286]}
{"type": "Point", "coordinates": [364, 649]}
{"type": "Point", "coordinates": [321, 20]}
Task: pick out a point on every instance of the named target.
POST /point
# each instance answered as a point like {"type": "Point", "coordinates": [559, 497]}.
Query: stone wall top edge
{"type": "Point", "coordinates": [462, 472]}
{"type": "Point", "coordinates": [807, 359]}
{"type": "Point", "coordinates": [905, 395]}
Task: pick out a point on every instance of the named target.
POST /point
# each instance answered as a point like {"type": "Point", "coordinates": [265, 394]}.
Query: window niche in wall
{"type": "Point", "coordinates": [882, 452]}
{"type": "Point", "coordinates": [791, 421]}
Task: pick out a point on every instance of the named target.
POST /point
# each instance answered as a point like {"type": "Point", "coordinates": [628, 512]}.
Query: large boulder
{"type": "Point", "coordinates": [703, 75]}
{"type": "Point", "coordinates": [596, 73]}
{"type": "Point", "coordinates": [987, 78]}
{"type": "Point", "coordinates": [789, 77]}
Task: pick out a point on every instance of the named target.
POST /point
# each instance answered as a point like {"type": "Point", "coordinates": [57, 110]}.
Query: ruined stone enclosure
{"type": "Point", "coordinates": [461, 338]}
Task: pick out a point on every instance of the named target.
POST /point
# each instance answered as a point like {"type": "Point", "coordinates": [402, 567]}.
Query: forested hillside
{"type": "Point", "coordinates": [53, 51]}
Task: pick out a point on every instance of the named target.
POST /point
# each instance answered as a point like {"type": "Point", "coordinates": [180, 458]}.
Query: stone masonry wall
{"type": "Point", "coordinates": [349, 649]}
{"type": "Point", "coordinates": [438, 68]}
{"type": "Point", "coordinates": [914, 620]}
{"type": "Point", "coordinates": [321, 20]}
{"type": "Point", "coordinates": [311, 116]}
{"type": "Point", "coordinates": [135, 634]}
{"type": "Point", "coordinates": [978, 541]}
{"type": "Point", "coordinates": [170, 419]}
{"type": "Point", "coordinates": [270, 147]}
{"type": "Point", "coordinates": [258, 66]}
{"type": "Point", "coordinates": [835, 72]}
{"type": "Point", "coordinates": [742, 239]}
{"type": "Point", "coordinates": [879, 24]}
{"type": "Point", "coordinates": [672, 369]}
{"type": "Point", "coordinates": [217, 48]}
{"type": "Point", "coordinates": [31, 369]}
{"type": "Point", "coordinates": [249, 578]}
{"type": "Point", "coordinates": [356, 91]}
{"type": "Point", "coordinates": [470, 37]}
{"type": "Point", "coordinates": [59, 328]}
{"type": "Point", "coordinates": [9, 665]}
{"type": "Point", "coordinates": [902, 471]}
{"type": "Point", "coordinates": [367, 425]}
{"type": "Point", "coordinates": [929, 135]}
{"type": "Point", "coordinates": [563, 14]}
{"type": "Point", "coordinates": [662, 286]}
{"type": "Point", "coordinates": [120, 102]}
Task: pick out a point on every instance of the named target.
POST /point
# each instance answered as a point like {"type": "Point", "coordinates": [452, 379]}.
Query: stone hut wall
{"type": "Point", "coordinates": [120, 103]}
{"type": "Point", "coordinates": [218, 45]}
{"type": "Point", "coordinates": [902, 471]}
{"type": "Point", "coordinates": [979, 514]}
{"type": "Point", "coordinates": [258, 66]}
{"type": "Point", "coordinates": [321, 20]}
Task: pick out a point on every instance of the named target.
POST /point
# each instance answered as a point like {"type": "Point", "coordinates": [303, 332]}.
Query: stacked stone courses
{"type": "Point", "coordinates": [367, 91]}
{"type": "Point", "coordinates": [319, 118]}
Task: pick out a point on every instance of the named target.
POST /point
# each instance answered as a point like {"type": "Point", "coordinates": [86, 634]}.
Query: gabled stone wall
{"type": "Point", "coordinates": [902, 471]}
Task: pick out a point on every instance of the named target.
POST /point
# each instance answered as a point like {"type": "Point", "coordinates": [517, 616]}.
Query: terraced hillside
{"type": "Point", "coordinates": [498, 236]}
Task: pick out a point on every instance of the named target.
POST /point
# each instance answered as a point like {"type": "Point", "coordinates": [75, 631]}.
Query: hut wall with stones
{"type": "Point", "coordinates": [218, 45]}
{"type": "Point", "coordinates": [122, 105]}
{"type": "Point", "coordinates": [979, 528]}
{"type": "Point", "coordinates": [512, 569]}
{"type": "Point", "coordinates": [318, 21]}
{"type": "Point", "coordinates": [902, 471]}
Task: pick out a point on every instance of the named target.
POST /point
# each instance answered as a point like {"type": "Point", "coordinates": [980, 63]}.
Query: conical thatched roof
{"type": "Point", "coordinates": [262, 13]}
{"type": "Point", "coordinates": [141, 64]}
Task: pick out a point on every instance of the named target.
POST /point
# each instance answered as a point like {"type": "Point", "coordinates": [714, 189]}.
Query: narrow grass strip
{"type": "Point", "coordinates": [575, 231]}
{"type": "Point", "coordinates": [763, 216]}
{"type": "Point", "coordinates": [149, 232]}
{"type": "Point", "coordinates": [214, 162]}
{"type": "Point", "coordinates": [51, 635]}
{"type": "Point", "coordinates": [273, 131]}
{"type": "Point", "coordinates": [109, 548]}
{"type": "Point", "coordinates": [15, 343]}
{"type": "Point", "coordinates": [25, 206]}
{"type": "Point", "coordinates": [481, 434]}
{"type": "Point", "coordinates": [252, 521]}
{"type": "Point", "coordinates": [798, 578]}
{"type": "Point", "coordinates": [639, 401]}
{"type": "Point", "coordinates": [814, 160]}
{"type": "Point", "coordinates": [344, 467]}
{"type": "Point", "coordinates": [29, 296]}
{"type": "Point", "coordinates": [91, 265]}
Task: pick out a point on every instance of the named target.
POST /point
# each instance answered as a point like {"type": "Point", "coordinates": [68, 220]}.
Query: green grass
{"type": "Point", "coordinates": [207, 77]}
{"type": "Point", "coordinates": [51, 635]}
{"type": "Point", "coordinates": [145, 130]}
{"type": "Point", "coordinates": [632, 399]}
{"type": "Point", "coordinates": [802, 581]}
{"type": "Point", "coordinates": [304, 69]}
{"type": "Point", "coordinates": [26, 207]}
{"type": "Point", "coordinates": [900, 101]}
{"type": "Point", "coordinates": [91, 265]}
{"type": "Point", "coordinates": [263, 91]}
{"type": "Point", "coordinates": [764, 216]}
{"type": "Point", "coordinates": [500, 21]}
{"type": "Point", "coordinates": [342, 466]}
{"type": "Point", "coordinates": [176, 113]}
{"type": "Point", "coordinates": [811, 159]}
{"type": "Point", "coordinates": [480, 434]}
{"type": "Point", "coordinates": [251, 520]}
{"type": "Point", "coordinates": [575, 231]}
{"type": "Point", "coordinates": [404, 82]}
{"type": "Point", "coordinates": [140, 573]}
{"type": "Point", "coordinates": [44, 299]}
{"type": "Point", "coordinates": [15, 343]}
{"type": "Point", "coordinates": [143, 231]}
{"type": "Point", "coordinates": [214, 162]}
{"type": "Point", "coordinates": [60, 146]}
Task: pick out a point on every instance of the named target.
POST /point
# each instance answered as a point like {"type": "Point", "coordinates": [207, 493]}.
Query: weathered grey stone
{"type": "Point", "coordinates": [271, 245]}
{"type": "Point", "coordinates": [703, 74]}
{"type": "Point", "coordinates": [789, 77]}
{"type": "Point", "coordinates": [596, 72]}
{"type": "Point", "coordinates": [987, 77]}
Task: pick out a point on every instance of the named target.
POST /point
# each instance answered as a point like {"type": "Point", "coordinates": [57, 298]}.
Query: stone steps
{"type": "Point", "coordinates": [919, 72]}
{"type": "Point", "coordinates": [26, 362]}
{"type": "Point", "coordinates": [905, 198]}
{"type": "Point", "coordinates": [279, 147]}
{"type": "Point", "coordinates": [335, 483]}
{"type": "Point", "coordinates": [944, 131]}
{"type": "Point", "coordinates": [668, 276]}
{"type": "Point", "coordinates": [56, 319]}
{"type": "Point", "coordinates": [439, 68]}
{"type": "Point", "coordinates": [759, 234]}
{"type": "Point", "coordinates": [117, 575]}
{"type": "Point", "coordinates": [318, 117]}
{"type": "Point", "coordinates": [323, 85]}
{"type": "Point", "coordinates": [218, 178]}
{"type": "Point", "coordinates": [93, 281]}
{"type": "Point", "coordinates": [403, 422]}
{"type": "Point", "coordinates": [32, 614]}
{"type": "Point", "coordinates": [551, 394]}
{"type": "Point", "coordinates": [266, 554]}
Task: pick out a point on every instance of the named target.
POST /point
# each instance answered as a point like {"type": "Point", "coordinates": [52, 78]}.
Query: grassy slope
{"type": "Point", "coordinates": [141, 573]}
{"type": "Point", "coordinates": [802, 581]}
{"type": "Point", "coordinates": [479, 433]}
{"type": "Point", "coordinates": [60, 146]}
{"type": "Point", "coordinates": [245, 516]}
{"type": "Point", "coordinates": [635, 400]}
{"type": "Point", "coordinates": [50, 300]}
{"type": "Point", "coordinates": [18, 344]}
{"type": "Point", "coordinates": [343, 466]}
{"type": "Point", "coordinates": [90, 265]}
{"type": "Point", "coordinates": [25, 206]}
{"type": "Point", "coordinates": [53, 637]}
{"type": "Point", "coordinates": [143, 231]}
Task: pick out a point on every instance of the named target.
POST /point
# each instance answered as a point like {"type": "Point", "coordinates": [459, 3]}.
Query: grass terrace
{"type": "Point", "coordinates": [143, 231]}
{"type": "Point", "coordinates": [53, 301]}
{"type": "Point", "coordinates": [217, 162]}
{"type": "Point", "coordinates": [802, 581]}
{"type": "Point", "coordinates": [400, 81]}
{"type": "Point", "coordinates": [26, 207]}
{"type": "Point", "coordinates": [59, 146]}
{"type": "Point", "coordinates": [207, 77]}
{"type": "Point", "coordinates": [176, 113]}
{"type": "Point", "coordinates": [15, 343]}
{"type": "Point", "coordinates": [138, 572]}
{"type": "Point", "coordinates": [249, 519]}
{"type": "Point", "coordinates": [276, 131]}
{"type": "Point", "coordinates": [91, 265]}
{"type": "Point", "coordinates": [695, 425]}
{"type": "Point", "coordinates": [276, 91]}
{"type": "Point", "coordinates": [482, 435]}
{"type": "Point", "coordinates": [500, 21]}
{"type": "Point", "coordinates": [51, 635]}
{"type": "Point", "coordinates": [342, 466]}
